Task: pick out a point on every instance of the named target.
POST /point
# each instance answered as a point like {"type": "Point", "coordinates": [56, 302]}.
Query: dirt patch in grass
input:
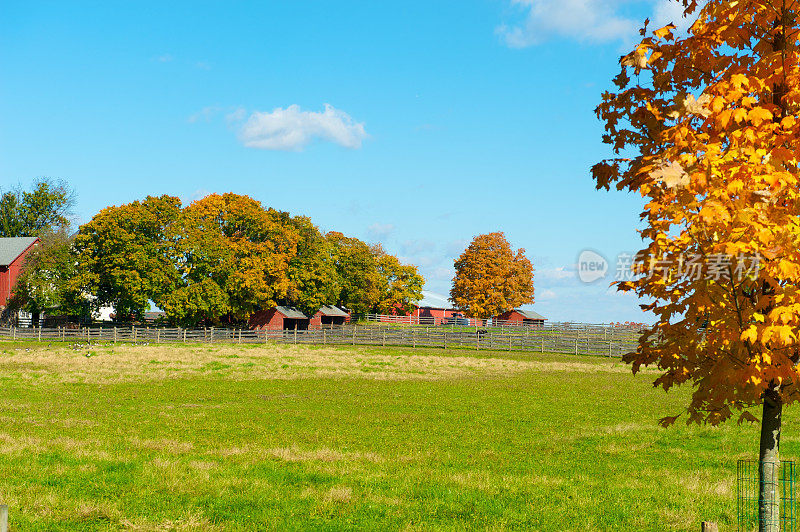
{"type": "Point", "coordinates": [125, 362]}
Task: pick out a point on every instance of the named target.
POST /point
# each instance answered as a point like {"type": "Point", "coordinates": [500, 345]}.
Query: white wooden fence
{"type": "Point", "coordinates": [603, 341]}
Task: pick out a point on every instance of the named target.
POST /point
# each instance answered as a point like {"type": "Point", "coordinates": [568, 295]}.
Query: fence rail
{"type": "Point", "coordinates": [608, 341]}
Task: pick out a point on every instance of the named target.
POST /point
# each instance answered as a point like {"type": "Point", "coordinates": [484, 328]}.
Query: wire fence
{"type": "Point", "coordinates": [780, 479]}
{"type": "Point", "coordinates": [606, 341]}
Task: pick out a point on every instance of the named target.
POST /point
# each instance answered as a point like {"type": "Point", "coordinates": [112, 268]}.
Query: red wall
{"type": "Point", "coordinates": [267, 319]}
{"type": "Point", "coordinates": [511, 316]}
{"type": "Point", "coordinates": [10, 274]}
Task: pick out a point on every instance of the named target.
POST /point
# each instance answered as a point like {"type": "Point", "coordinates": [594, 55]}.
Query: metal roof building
{"type": "Point", "coordinates": [12, 248]}
{"type": "Point", "coordinates": [12, 257]}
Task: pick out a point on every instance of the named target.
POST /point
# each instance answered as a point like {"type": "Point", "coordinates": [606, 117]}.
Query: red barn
{"type": "Point", "coordinates": [432, 309]}
{"type": "Point", "coordinates": [521, 317]}
{"type": "Point", "coordinates": [12, 256]}
{"type": "Point", "coordinates": [280, 317]}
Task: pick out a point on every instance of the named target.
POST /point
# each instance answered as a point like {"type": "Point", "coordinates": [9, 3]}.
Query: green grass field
{"type": "Point", "coordinates": [304, 438]}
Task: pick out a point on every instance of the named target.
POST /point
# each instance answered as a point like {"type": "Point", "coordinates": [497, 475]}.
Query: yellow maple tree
{"type": "Point", "coordinates": [706, 127]}
{"type": "Point", "coordinates": [490, 278]}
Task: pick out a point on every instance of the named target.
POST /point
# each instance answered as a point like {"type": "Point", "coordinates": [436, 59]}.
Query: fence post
{"type": "Point", "coordinates": [354, 335]}
{"type": "Point", "coordinates": [323, 336]}
{"type": "Point", "coordinates": [542, 343]}
{"type": "Point", "coordinates": [158, 336]}
{"type": "Point", "coordinates": [240, 336]}
{"type": "Point", "coordinates": [39, 338]}
{"type": "Point", "coordinates": [295, 334]}
{"type": "Point", "coordinates": [3, 518]}
{"type": "Point", "coordinates": [13, 333]}
{"type": "Point", "coordinates": [576, 343]}
{"type": "Point", "coordinates": [445, 339]}
{"type": "Point", "coordinates": [184, 336]}
{"type": "Point", "coordinates": [509, 341]}
{"type": "Point", "coordinates": [115, 335]}
{"type": "Point", "coordinates": [383, 341]}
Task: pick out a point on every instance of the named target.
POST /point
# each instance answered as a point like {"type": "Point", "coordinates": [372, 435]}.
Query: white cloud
{"type": "Point", "coordinates": [585, 20]}
{"type": "Point", "coordinates": [205, 114]}
{"type": "Point", "coordinates": [293, 129]}
{"type": "Point", "coordinates": [380, 231]}
{"type": "Point", "coordinates": [164, 58]}
{"type": "Point", "coordinates": [236, 115]}
{"type": "Point", "coordinates": [555, 274]}
{"type": "Point", "coordinates": [667, 11]}
{"type": "Point", "coordinates": [588, 20]}
{"type": "Point", "coordinates": [417, 247]}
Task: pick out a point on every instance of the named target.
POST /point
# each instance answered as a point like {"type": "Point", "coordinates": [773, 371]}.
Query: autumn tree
{"type": "Point", "coordinates": [233, 259]}
{"type": "Point", "coordinates": [125, 255]}
{"type": "Point", "coordinates": [313, 281]}
{"type": "Point", "coordinates": [399, 286]}
{"type": "Point", "coordinates": [706, 127]}
{"type": "Point", "coordinates": [356, 272]}
{"type": "Point", "coordinates": [490, 278]}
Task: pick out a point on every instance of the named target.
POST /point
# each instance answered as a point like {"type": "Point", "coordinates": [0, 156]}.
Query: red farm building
{"type": "Point", "coordinates": [521, 317]}
{"type": "Point", "coordinates": [281, 317]}
{"type": "Point", "coordinates": [435, 309]}
{"type": "Point", "coordinates": [12, 256]}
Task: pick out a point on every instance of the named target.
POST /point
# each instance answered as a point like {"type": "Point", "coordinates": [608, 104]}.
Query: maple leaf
{"type": "Point", "coordinates": [697, 106]}
{"type": "Point", "coordinates": [671, 174]}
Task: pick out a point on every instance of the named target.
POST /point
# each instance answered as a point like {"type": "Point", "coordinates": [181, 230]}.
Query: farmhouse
{"type": "Point", "coordinates": [521, 317]}
{"type": "Point", "coordinates": [12, 256]}
{"type": "Point", "coordinates": [282, 317]}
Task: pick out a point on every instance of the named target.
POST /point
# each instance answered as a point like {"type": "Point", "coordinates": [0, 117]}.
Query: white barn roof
{"type": "Point", "coordinates": [434, 300]}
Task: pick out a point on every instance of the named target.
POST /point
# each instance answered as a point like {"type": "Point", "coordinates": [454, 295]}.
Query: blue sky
{"type": "Point", "coordinates": [418, 125]}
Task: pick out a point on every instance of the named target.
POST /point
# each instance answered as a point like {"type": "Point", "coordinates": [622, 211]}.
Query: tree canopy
{"type": "Point", "coordinates": [44, 285]}
{"type": "Point", "coordinates": [222, 258]}
{"type": "Point", "coordinates": [490, 278]}
{"type": "Point", "coordinates": [47, 206]}
{"type": "Point", "coordinates": [126, 255]}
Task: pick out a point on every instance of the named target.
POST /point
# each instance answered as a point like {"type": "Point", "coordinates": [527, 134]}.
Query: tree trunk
{"type": "Point", "coordinates": [769, 465]}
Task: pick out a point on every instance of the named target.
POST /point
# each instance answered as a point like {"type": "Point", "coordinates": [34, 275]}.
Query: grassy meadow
{"type": "Point", "coordinates": [310, 438]}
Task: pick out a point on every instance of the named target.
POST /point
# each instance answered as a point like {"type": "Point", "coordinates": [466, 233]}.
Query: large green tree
{"type": "Point", "coordinates": [47, 206]}
{"type": "Point", "coordinates": [44, 286]}
{"type": "Point", "coordinates": [126, 255]}
{"type": "Point", "coordinates": [356, 271]}
{"type": "Point", "coordinates": [313, 281]}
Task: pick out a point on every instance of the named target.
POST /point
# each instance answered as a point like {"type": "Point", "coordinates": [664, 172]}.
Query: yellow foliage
{"type": "Point", "coordinates": [709, 134]}
{"type": "Point", "coordinates": [491, 278]}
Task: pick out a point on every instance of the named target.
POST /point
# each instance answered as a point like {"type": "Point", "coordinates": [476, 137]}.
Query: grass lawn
{"type": "Point", "coordinates": [307, 438]}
